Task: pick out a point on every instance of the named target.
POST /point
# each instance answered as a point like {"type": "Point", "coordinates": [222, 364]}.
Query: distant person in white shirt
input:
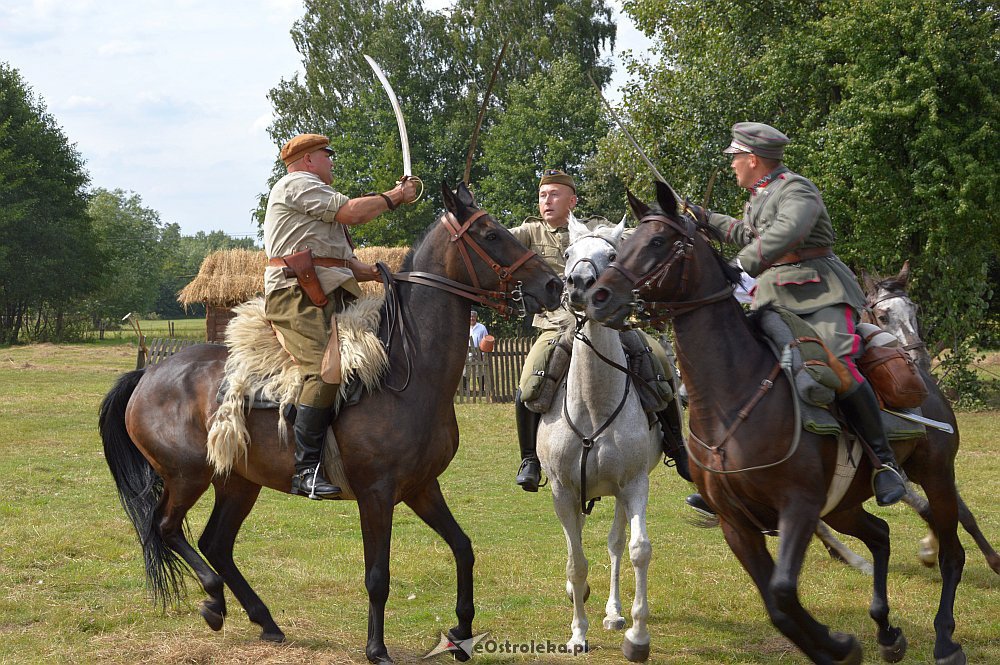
{"type": "Point", "coordinates": [477, 331]}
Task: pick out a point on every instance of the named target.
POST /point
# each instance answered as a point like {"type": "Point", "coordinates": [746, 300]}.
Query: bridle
{"type": "Point", "coordinates": [658, 311]}
{"type": "Point", "coordinates": [504, 299]}
{"type": "Point", "coordinates": [872, 305]}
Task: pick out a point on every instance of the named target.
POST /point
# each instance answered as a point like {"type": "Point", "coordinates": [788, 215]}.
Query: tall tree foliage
{"type": "Point", "coordinates": [892, 110]}
{"type": "Point", "coordinates": [439, 64]}
{"type": "Point", "coordinates": [129, 238]}
{"type": "Point", "coordinates": [552, 120]}
{"type": "Point", "coordinates": [48, 252]}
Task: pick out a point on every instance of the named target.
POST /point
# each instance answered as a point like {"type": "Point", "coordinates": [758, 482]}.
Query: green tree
{"type": "Point", "coordinates": [129, 239]}
{"type": "Point", "coordinates": [552, 120]}
{"type": "Point", "coordinates": [48, 253]}
{"type": "Point", "coordinates": [892, 110]}
{"type": "Point", "coordinates": [439, 64]}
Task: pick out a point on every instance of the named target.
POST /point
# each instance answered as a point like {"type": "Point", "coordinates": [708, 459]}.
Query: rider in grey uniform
{"type": "Point", "coordinates": [786, 238]}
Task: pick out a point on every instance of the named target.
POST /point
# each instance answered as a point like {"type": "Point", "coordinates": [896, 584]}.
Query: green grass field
{"type": "Point", "coordinates": [72, 586]}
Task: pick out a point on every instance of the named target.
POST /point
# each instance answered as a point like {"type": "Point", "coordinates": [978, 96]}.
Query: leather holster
{"type": "Point", "coordinates": [301, 265]}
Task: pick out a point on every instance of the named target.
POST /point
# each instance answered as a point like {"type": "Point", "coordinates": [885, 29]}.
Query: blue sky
{"type": "Point", "coordinates": [168, 99]}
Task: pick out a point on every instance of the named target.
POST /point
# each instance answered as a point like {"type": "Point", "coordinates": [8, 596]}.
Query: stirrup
{"type": "Point", "coordinates": [892, 489]}
{"type": "Point", "coordinates": [530, 482]}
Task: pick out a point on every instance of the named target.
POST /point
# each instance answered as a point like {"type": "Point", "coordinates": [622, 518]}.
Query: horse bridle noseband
{"type": "Point", "coordinates": [658, 311]}
{"type": "Point", "coordinates": [504, 299]}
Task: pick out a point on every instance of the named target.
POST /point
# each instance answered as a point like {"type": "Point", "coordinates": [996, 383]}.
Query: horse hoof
{"type": "Point", "coordinates": [956, 658]}
{"type": "Point", "coordinates": [894, 652]}
{"type": "Point", "coordinates": [212, 618]}
{"type": "Point", "coordinates": [272, 636]}
{"type": "Point", "coordinates": [993, 561]}
{"type": "Point", "coordinates": [928, 558]}
{"type": "Point", "coordinates": [854, 656]}
{"type": "Point", "coordinates": [576, 648]}
{"type": "Point", "coordinates": [636, 653]}
{"type": "Point", "coordinates": [459, 654]}
{"type": "Point", "coordinates": [612, 623]}
{"type": "Point", "coordinates": [381, 659]}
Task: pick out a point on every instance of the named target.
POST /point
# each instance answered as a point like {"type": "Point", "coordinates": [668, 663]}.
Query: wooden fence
{"type": "Point", "coordinates": [489, 376]}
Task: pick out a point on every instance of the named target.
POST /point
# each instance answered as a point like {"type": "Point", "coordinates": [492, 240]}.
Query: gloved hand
{"type": "Point", "coordinates": [696, 211]}
{"type": "Point", "coordinates": [411, 187]}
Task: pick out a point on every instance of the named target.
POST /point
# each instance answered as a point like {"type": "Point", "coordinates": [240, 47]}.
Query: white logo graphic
{"type": "Point", "coordinates": [447, 645]}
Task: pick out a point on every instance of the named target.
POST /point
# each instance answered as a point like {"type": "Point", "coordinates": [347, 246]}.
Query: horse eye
{"type": "Point", "coordinates": [566, 255]}
{"type": "Point", "coordinates": [657, 242]}
{"type": "Point", "coordinates": [612, 256]}
{"type": "Point", "coordinates": [492, 235]}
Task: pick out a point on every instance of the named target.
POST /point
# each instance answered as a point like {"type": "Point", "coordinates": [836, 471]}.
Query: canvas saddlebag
{"type": "Point", "coordinates": [893, 375]}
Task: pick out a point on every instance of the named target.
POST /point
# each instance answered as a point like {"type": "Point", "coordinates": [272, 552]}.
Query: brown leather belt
{"type": "Point", "coordinates": [803, 255]}
{"type": "Point", "coordinates": [321, 261]}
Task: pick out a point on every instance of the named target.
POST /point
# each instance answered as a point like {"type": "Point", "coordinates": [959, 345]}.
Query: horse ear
{"type": "Point", "coordinates": [465, 195]}
{"type": "Point", "coordinates": [639, 209]}
{"type": "Point", "coordinates": [870, 284]}
{"type": "Point", "coordinates": [619, 230]}
{"type": "Point", "coordinates": [577, 229]}
{"type": "Point", "coordinates": [665, 197]}
{"type": "Point", "coordinates": [450, 202]}
{"type": "Point", "coordinates": [904, 273]}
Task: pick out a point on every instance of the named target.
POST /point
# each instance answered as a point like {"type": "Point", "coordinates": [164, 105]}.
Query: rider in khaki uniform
{"type": "Point", "coordinates": [305, 213]}
{"type": "Point", "coordinates": [786, 238]}
{"type": "Point", "coordinates": [548, 236]}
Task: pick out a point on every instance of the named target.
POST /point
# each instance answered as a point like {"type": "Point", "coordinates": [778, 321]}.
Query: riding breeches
{"type": "Point", "coordinates": [305, 331]}
{"type": "Point", "coordinates": [837, 327]}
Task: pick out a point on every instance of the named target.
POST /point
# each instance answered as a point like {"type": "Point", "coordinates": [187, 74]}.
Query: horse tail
{"type": "Point", "coordinates": [139, 490]}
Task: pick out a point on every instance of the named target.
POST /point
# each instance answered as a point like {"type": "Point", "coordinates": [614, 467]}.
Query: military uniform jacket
{"type": "Point", "coordinates": [301, 214]}
{"type": "Point", "coordinates": [550, 243]}
{"type": "Point", "coordinates": [784, 215]}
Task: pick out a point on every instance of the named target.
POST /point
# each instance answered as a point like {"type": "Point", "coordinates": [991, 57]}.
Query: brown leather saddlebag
{"type": "Point", "coordinates": [894, 377]}
{"type": "Point", "coordinates": [301, 263]}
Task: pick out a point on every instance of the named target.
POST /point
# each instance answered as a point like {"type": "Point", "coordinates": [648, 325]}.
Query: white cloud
{"type": "Point", "coordinates": [117, 48]}
{"type": "Point", "coordinates": [77, 102]}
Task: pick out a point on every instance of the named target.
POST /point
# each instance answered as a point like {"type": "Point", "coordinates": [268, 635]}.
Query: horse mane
{"type": "Point", "coordinates": [407, 265]}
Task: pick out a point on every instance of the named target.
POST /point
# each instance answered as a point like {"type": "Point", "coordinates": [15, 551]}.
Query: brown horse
{"type": "Point", "coordinates": [749, 457]}
{"type": "Point", "coordinates": [394, 443]}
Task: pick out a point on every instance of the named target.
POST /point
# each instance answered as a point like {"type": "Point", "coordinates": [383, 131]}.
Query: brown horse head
{"type": "Point", "coordinates": [658, 272]}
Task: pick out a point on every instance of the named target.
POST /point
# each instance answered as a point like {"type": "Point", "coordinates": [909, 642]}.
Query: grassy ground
{"type": "Point", "coordinates": [72, 587]}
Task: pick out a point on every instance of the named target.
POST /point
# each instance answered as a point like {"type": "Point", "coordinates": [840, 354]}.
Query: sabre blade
{"type": "Point", "coordinates": [923, 420]}
{"type": "Point", "coordinates": [400, 123]}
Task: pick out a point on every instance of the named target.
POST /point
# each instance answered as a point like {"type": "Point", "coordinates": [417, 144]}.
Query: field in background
{"type": "Point", "coordinates": [72, 586]}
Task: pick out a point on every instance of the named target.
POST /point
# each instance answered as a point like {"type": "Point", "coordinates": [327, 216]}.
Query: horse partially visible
{"type": "Point", "coordinates": [394, 444]}
{"type": "Point", "coordinates": [596, 441]}
{"type": "Point", "coordinates": [894, 311]}
{"type": "Point", "coordinates": [749, 456]}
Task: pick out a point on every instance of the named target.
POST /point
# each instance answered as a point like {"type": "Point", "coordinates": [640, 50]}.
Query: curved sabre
{"type": "Point", "coordinates": [403, 138]}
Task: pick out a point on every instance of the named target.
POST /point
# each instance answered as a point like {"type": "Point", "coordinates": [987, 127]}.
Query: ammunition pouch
{"type": "Point", "coordinates": [539, 389]}
{"type": "Point", "coordinates": [656, 391]}
{"type": "Point", "coordinates": [892, 373]}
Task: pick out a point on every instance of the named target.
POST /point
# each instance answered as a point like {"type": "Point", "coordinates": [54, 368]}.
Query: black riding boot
{"type": "Point", "coordinates": [673, 440]}
{"type": "Point", "coordinates": [862, 410]}
{"type": "Point", "coordinates": [310, 435]}
{"type": "Point", "coordinates": [530, 473]}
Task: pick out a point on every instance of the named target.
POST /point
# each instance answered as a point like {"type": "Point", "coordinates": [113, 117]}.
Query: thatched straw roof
{"type": "Point", "coordinates": [232, 276]}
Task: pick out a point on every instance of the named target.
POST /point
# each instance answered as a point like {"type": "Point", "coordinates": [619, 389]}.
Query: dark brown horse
{"type": "Point", "coordinates": [394, 444]}
{"type": "Point", "coordinates": [749, 457]}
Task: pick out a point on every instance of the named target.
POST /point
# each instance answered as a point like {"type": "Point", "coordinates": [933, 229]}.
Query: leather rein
{"type": "Point", "coordinates": [497, 300]}
{"type": "Point", "coordinates": [658, 311]}
{"type": "Point", "coordinates": [503, 300]}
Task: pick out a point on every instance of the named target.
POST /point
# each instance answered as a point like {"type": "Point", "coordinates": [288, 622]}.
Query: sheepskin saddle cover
{"type": "Point", "coordinates": [259, 368]}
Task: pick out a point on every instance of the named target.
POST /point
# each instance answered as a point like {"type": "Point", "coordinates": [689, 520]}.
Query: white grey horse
{"type": "Point", "coordinates": [596, 413]}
